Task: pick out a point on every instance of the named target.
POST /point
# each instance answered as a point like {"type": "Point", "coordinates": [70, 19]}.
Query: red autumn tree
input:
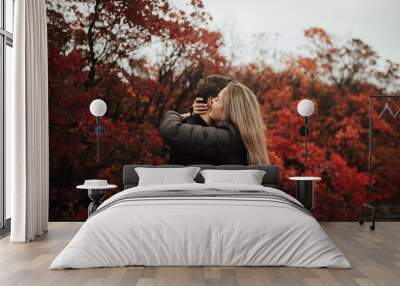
{"type": "Point", "coordinates": [93, 49]}
{"type": "Point", "coordinates": [145, 57]}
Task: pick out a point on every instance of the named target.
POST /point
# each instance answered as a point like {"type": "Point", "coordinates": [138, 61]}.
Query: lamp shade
{"type": "Point", "coordinates": [305, 107]}
{"type": "Point", "coordinates": [98, 107]}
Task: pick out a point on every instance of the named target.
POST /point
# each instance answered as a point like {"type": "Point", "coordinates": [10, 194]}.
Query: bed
{"type": "Point", "coordinates": [198, 224]}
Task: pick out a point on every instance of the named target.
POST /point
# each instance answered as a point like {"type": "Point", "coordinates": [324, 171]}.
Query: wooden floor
{"type": "Point", "coordinates": [375, 257]}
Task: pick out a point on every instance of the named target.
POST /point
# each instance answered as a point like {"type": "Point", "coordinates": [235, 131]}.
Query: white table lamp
{"type": "Point", "coordinates": [305, 108]}
{"type": "Point", "coordinates": [98, 108]}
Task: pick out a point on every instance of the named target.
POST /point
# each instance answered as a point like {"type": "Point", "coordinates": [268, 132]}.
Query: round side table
{"type": "Point", "coordinates": [96, 195]}
{"type": "Point", "coordinates": [305, 190]}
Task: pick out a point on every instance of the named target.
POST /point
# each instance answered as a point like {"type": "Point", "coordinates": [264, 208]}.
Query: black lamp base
{"type": "Point", "coordinates": [96, 196]}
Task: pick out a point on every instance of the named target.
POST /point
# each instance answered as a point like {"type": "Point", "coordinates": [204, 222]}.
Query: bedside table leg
{"type": "Point", "coordinates": [97, 197]}
{"type": "Point", "coordinates": [305, 193]}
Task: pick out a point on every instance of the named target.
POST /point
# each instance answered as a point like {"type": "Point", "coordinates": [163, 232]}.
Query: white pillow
{"type": "Point", "coordinates": [248, 177]}
{"type": "Point", "coordinates": [164, 176]}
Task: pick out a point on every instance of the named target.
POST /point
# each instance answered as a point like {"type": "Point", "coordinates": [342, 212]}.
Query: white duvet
{"type": "Point", "coordinates": [200, 231]}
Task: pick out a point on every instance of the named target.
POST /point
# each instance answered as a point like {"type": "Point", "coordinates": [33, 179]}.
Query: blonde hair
{"type": "Point", "coordinates": [241, 108]}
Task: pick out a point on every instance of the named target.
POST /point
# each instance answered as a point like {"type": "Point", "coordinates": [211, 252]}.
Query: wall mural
{"type": "Point", "coordinates": [383, 161]}
{"type": "Point", "coordinates": [146, 57]}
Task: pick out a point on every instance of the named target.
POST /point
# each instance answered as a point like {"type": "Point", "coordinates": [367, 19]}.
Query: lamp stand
{"type": "Point", "coordinates": [305, 141]}
{"type": "Point", "coordinates": [304, 132]}
{"type": "Point", "coordinates": [97, 138]}
{"type": "Point", "coordinates": [99, 130]}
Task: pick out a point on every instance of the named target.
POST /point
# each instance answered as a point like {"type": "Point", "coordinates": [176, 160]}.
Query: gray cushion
{"type": "Point", "coordinates": [270, 179]}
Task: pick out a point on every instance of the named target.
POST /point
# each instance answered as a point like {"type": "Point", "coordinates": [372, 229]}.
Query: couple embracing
{"type": "Point", "coordinates": [223, 127]}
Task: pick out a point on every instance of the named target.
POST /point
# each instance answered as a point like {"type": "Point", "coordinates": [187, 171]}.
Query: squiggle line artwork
{"type": "Point", "coordinates": [387, 108]}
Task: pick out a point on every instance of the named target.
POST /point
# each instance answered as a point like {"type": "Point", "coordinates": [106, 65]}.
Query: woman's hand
{"type": "Point", "coordinates": [184, 115]}
{"type": "Point", "coordinates": [199, 107]}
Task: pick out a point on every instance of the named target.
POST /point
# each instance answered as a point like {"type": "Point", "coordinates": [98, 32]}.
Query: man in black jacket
{"type": "Point", "coordinates": [206, 89]}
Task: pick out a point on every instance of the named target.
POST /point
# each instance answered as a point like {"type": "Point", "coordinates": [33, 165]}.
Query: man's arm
{"type": "Point", "coordinates": [207, 141]}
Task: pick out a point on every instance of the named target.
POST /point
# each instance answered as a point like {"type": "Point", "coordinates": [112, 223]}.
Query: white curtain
{"type": "Point", "coordinates": [27, 147]}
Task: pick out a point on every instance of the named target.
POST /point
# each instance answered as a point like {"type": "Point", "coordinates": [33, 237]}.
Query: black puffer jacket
{"type": "Point", "coordinates": [222, 144]}
{"type": "Point", "coordinates": [177, 156]}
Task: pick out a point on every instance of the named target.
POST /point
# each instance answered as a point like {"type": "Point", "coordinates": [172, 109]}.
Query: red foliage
{"type": "Point", "coordinates": [93, 49]}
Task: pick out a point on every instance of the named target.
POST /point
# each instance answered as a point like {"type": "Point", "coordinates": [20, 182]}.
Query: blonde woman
{"type": "Point", "coordinates": [238, 136]}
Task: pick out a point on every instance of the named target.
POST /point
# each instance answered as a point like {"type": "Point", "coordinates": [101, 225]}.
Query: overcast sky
{"type": "Point", "coordinates": [376, 22]}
